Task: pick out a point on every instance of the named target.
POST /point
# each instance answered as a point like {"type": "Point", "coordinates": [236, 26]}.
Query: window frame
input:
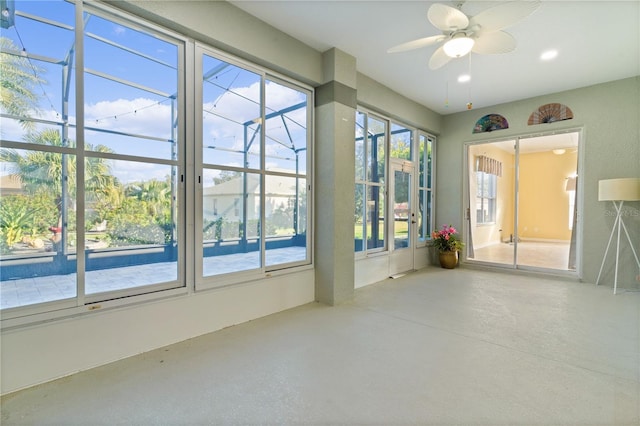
{"type": "Point", "coordinates": [368, 184]}
{"type": "Point", "coordinates": [417, 185]}
{"type": "Point", "coordinates": [491, 199]}
{"type": "Point", "coordinates": [207, 282]}
{"type": "Point", "coordinates": [188, 192]}
{"type": "Point", "coordinates": [83, 301]}
{"type": "Point", "coordinates": [426, 184]}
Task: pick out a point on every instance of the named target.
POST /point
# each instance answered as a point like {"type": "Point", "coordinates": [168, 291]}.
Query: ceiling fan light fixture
{"type": "Point", "coordinates": [458, 46]}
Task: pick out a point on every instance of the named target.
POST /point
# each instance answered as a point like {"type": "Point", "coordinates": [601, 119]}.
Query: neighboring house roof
{"type": "Point", "coordinates": [10, 184]}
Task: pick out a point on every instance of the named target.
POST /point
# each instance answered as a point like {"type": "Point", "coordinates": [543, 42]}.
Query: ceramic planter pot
{"type": "Point", "coordinates": [448, 259]}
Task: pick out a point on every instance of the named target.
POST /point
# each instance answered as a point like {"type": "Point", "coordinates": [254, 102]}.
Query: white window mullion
{"type": "Point", "coordinates": [194, 172]}
{"type": "Point", "coordinates": [186, 188]}
{"type": "Point", "coordinates": [263, 180]}
{"type": "Point", "coordinates": [80, 169]}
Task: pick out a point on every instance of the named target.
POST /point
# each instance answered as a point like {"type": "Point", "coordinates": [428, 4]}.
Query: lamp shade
{"type": "Point", "coordinates": [625, 189]}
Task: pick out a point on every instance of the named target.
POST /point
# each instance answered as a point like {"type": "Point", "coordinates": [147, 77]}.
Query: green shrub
{"type": "Point", "coordinates": [132, 233]}
{"type": "Point", "coordinates": [16, 217]}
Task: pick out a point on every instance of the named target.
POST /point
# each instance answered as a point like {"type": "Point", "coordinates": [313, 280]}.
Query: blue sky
{"type": "Point", "coordinates": [116, 106]}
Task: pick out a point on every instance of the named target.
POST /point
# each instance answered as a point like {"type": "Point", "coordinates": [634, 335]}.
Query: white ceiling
{"type": "Point", "coordinates": [597, 41]}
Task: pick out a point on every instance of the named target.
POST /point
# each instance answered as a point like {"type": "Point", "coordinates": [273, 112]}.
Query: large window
{"type": "Point", "coordinates": [97, 179]}
{"type": "Point", "coordinates": [371, 135]}
{"type": "Point", "coordinates": [370, 145]}
{"type": "Point", "coordinates": [255, 136]}
{"type": "Point", "coordinates": [92, 188]}
{"type": "Point", "coordinates": [426, 146]}
{"type": "Point", "coordinates": [486, 198]}
{"type": "Point", "coordinates": [401, 142]}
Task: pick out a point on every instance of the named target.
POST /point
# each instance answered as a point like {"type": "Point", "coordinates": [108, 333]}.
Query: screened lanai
{"type": "Point", "coordinates": [99, 170]}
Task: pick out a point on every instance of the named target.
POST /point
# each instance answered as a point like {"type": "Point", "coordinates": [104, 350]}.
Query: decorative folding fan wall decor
{"type": "Point", "coordinates": [490, 122]}
{"type": "Point", "coordinates": [550, 113]}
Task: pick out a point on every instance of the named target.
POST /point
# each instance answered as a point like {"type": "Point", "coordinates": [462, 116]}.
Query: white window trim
{"type": "Point", "coordinates": [189, 196]}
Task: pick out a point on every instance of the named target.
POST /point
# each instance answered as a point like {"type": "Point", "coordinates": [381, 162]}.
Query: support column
{"type": "Point", "coordinates": [335, 178]}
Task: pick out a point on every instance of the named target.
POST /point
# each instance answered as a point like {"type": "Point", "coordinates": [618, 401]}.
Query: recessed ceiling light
{"type": "Point", "coordinates": [549, 55]}
{"type": "Point", "coordinates": [464, 78]}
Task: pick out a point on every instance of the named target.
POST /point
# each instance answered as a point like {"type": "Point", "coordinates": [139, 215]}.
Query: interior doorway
{"type": "Point", "coordinates": [522, 202]}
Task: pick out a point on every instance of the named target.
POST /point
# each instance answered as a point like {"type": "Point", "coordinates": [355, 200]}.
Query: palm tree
{"type": "Point", "coordinates": [18, 81]}
{"type": "Point", "coordinates": [42, 174]}
{"type": "Point", "coordinates": [155, 194]}
{"type": "Point", "coordinates": [42, 170]}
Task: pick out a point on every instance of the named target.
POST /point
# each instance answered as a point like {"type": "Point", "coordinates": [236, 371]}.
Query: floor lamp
{"type": "Point", "coordinates": [618, 191]}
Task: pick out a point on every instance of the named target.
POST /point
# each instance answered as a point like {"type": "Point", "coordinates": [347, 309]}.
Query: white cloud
{"type": "Point", "coordinates": [237, 107]}
{"type": "Point", "coordinates": [279, 97]}
{"type": "Point", "coordinates": [145, 116]}
{"type": "Point", "coordinates": [138, 116]}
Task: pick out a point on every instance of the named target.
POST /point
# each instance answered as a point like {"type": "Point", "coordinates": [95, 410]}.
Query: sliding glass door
{"type": "Point", "coordinates": [522, 210]}
{"type": "Point", "coordinates": [547, 173]}
{"type": "Point", "coordinates": [491, 208]}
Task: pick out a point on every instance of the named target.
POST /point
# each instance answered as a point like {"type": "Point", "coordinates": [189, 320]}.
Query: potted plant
{"type": "Point", "coordinates": [448, 244]}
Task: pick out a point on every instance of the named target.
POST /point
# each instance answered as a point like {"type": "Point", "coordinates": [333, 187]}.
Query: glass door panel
{"type": "Point", "coordinates": [232, 127]}
{"type": "Point", "coordinates": [547, 170]}
{"type": "Point", "coordinates": [490, 213]}
{"type": "Point", "coordinates": [133, 208]}
{"type": "Point", "coordinates": [401, 208]}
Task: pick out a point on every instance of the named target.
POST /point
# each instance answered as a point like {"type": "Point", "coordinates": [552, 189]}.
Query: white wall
{"type": "Point", "coordinates": [377, 97]}
{"type": "Point", "coordinates": [39, 353]}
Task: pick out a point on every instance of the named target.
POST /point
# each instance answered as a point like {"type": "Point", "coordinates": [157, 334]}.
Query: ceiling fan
{"type": "Point", "coordinates": [461, 34]}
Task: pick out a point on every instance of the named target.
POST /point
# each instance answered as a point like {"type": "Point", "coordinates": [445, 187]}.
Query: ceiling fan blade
{"type": "Point", "coordinates": [415, 44]}
{"type": "Point", "coordinates": [493, 43]}
{"type": "Point", "coordinates": [438, 59]}
{"type": "Point", "coordinates": [447, 18]}
{"type": "Point", "coordinates": [502, 15]}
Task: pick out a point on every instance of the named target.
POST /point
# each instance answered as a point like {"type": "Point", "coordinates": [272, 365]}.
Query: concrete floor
{"type": "Point", "coordinates": [433, 347]}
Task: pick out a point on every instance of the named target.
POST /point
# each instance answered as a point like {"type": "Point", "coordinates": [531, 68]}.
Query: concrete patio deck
{"type": "Point", "coordinates": [30, 291]}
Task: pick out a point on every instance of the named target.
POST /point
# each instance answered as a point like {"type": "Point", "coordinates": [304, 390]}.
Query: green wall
{"type": "Point", "coordinates": [609, 115]}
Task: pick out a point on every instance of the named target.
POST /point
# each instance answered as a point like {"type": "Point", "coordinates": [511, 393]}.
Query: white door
{"type": "Point", "coordinates": [402, 227]}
